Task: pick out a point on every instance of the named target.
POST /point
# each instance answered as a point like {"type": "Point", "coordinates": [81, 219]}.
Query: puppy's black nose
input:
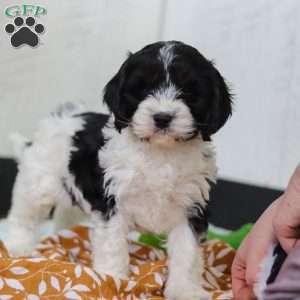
{"type": "Point", "coordinates": [162, 120]}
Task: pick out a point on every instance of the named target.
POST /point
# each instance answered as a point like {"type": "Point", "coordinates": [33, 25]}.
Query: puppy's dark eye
{"type": "Point", "coordinates": [135, 89]}
{"type": "Point", "coordinates": [136, 83]}
{"type": "Point", "coordinates": [181, 76]}
{"type": "Point", "coordinates": [192, 88]}
{"type": "Point", "coordinates": [191, 84]}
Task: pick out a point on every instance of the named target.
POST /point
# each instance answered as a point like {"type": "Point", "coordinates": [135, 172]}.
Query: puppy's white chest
{"type": "Point", "coordinates": [151, 200]}
{"type": "Point", "coordinates": [153, 186]}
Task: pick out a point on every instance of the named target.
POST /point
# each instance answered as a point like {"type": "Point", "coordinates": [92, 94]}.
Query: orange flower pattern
{"type": "Point", "coordinates": [61, 269]}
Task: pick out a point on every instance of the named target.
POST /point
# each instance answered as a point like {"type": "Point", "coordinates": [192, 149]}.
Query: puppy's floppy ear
{"type": "Point", "coordinates": [221, 108]}
{"type": "Point", "coordinates": [111, 98]}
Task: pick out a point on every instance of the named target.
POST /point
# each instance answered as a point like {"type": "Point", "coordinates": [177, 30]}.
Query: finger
{"type": "Point", "coordinates": [238, 271]}
{"type": "Point", "coordinates": [246, 293]}
{"type": "Point", "coordinates": [250, 254]}
{"type": "Point", "coordinates": [286, 223]}
{"type": "Point", "coordinates": [288, 244]}
{"type": "Point", "coordinates": [239, 266]}
{"type": "Point", "coordinates": [257, 254]}
{"type": "Point", "coordinates": [262, 237]}
{"type": "Point", "coordinates": [290, 204]}
{"type": "Point", "coordinates": [254, 261]}
{"type": "Point", "coordinates": [294, 183]}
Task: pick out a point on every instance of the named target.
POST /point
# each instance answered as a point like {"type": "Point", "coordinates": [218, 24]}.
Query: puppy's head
{"type": "Point", "coordinates": [168, 92]}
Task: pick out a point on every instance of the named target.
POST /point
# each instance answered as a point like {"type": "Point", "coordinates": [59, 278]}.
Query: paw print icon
{"type": "Point", "coordinates": [26, 33]}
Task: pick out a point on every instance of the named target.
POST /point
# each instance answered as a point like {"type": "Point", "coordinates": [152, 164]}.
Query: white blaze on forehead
{"type": "Point", "coordinates": [166, 55]}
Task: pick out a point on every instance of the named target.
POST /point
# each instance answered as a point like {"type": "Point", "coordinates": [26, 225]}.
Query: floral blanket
{"type": "Point", "coordinates": [60, 269]}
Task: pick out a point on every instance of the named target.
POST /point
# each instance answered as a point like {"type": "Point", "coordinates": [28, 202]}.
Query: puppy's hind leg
{"type": "Point", "coordinates": [31, 204]}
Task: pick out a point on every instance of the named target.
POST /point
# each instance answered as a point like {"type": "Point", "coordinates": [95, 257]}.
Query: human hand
{"type": "Point", "coordinates": [286, 221]}
{"type": "Point", "coordinates": [253, 249]}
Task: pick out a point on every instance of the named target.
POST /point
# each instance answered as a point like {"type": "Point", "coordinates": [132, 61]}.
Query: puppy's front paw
{"type": "Point", "coordinates": [116, 273]}
{"type": "Point", "coordinates": [19, 247]}
{"type": "Point", "coordinates": [183, 290]}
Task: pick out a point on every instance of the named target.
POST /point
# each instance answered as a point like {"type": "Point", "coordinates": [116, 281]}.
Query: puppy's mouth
{"type": "Point", "coordinates": [163, 132]}
{"type": "Point", "coordinates": [166, 137]}
{"type": "Point", "coordinates": [162, 139]}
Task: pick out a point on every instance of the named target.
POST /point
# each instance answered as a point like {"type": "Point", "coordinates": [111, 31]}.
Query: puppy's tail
{"type": "Point", "coordinates": [19, 144]}
{"type": "Point", "coordinates": [69, 109]}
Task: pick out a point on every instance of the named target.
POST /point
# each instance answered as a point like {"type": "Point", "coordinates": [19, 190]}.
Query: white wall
{"type": "Point", "coordinates": [83, 45]}
{"type": "Point", "coordinates": [256, 45]}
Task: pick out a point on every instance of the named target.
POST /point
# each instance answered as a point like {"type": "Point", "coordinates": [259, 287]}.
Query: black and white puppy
{"type": "Point", "coordinates": [148, 166]}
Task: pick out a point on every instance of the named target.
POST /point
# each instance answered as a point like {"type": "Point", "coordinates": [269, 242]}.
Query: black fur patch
{"type": "Point", "coordinates": [84, 163]}
{"type": "Point", "coordinates": [198, 221]}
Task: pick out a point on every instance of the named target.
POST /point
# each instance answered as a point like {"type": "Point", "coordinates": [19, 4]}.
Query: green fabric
{"type": "Point", "coordinates": [233, 238]}
{"type": "Point", "coordinates": [154, 240]}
